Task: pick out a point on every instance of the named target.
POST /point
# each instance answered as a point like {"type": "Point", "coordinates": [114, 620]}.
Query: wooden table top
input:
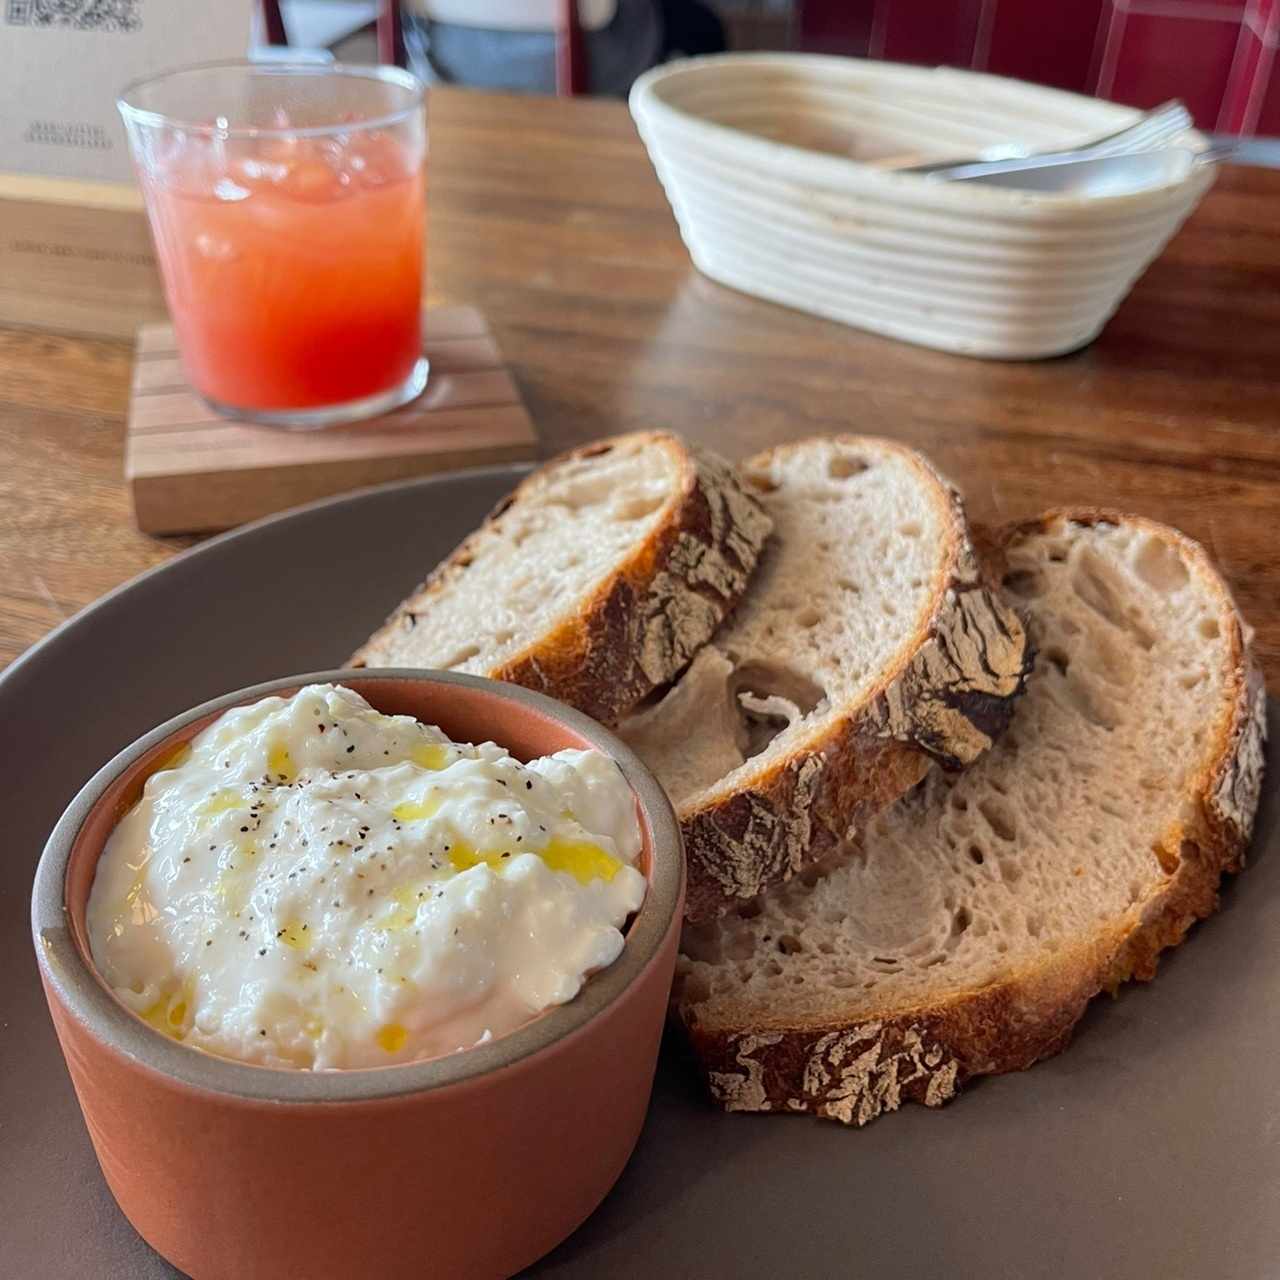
{"type": "Point", "coordinates": [547, 215]}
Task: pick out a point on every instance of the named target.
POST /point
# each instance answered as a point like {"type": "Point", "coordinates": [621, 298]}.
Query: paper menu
{"type": "Point", "coordinates": [64, 62]}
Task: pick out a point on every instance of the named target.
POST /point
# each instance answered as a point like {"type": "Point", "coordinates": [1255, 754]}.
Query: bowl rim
{"type": "Point", "coordinates": [652, 111]}
{"type": "Point", "coordinates": [84, 995]}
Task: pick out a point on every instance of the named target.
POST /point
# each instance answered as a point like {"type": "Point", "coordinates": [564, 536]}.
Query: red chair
{"type": "Point", "coordinates": [1221, 59]}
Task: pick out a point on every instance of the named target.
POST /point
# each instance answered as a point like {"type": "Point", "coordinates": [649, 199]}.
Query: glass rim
{"type": "Point", "coordinates": [388, 75]}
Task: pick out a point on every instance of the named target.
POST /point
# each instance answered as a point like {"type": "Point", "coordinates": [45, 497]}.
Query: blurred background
{"type": "Point", "coordinates": [1218, 56]}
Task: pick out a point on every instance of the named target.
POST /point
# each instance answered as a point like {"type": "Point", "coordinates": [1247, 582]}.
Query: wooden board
{"type": "Point", "coordinates": [190, 470]}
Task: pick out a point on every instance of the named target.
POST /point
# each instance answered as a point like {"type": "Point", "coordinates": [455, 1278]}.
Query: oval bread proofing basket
{"type": "Point", "coordinates": [774, 166]}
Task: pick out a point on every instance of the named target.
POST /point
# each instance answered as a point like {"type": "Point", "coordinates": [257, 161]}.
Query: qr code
{"type": "Point", "coordinates": [79, 15]}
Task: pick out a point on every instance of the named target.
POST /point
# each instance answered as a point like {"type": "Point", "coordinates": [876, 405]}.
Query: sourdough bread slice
{"type": "Point", "coordinates": [868, 645]}
{"type": "Point", "coordinates": [595, 581]}
{"type": "Point", "coordinates": [968, 927]}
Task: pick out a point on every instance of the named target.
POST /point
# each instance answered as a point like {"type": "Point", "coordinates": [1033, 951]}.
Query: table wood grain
{"type": "Point", "coordinates": [546, 214]}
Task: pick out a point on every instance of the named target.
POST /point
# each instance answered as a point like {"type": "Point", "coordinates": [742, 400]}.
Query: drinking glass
{"type": "Point", "coordinates": [287, 205]}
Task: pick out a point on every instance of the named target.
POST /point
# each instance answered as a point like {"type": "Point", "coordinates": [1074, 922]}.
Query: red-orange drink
{"type": "Point", "coordinates": [295, 280]}
{"type": "Point", "coordinates": [287, 205]}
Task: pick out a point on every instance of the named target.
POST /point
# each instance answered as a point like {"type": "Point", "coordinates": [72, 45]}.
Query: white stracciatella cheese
{"type": "Point", "coordinates": [315, 884]}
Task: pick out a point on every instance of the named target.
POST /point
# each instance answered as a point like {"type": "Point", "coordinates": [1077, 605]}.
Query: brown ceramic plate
{"type": "Point", "coordinates": [1149, 1148]}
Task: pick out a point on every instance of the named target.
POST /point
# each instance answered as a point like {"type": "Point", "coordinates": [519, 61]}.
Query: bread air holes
{"type": "Point", "coordinates": [1057, 658]}
{"type": "Point", "coordinates": [584, 491]}
{"type": "Point", "coordinates": [1092, 706]}
{"type": "Point", "coordinates": [1160, 565]}
{"type": "Point", "coordinates": [999, 817]}
{"type": "Point", "coordinates": [844, 465]}
{"type": "Point", "coordinates": [789, 944]}
{"type": "Point", "coordinates": [459, 656]}
{"type": "Point", "coordinates": [1095, 584]}
{"type": "Point", "coordinates": [910, 528]}
{"type": "Point", "coordinates": [702, 943]}
{"type": "Point", "coordinates": [1208, 628]}
{"type": "Point", "coordinates": [769, 698]}
{"type": "Point", "coordinates": [635, 506]}
{"type": "Point", "coordinates": [1026, 584]}
{"type": "Point", "coordinates": [808, 616]}
{"type": "Point", "coordinates": [1111, 660]}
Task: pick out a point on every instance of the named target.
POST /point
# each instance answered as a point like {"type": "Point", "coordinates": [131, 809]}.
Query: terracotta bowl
{"type": "Point", "coordinates": [473, 1164]}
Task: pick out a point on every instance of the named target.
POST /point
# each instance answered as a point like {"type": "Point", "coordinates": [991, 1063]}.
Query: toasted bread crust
{"type": "Point", "coordinates": [649, 617]}
{"type": "Point", "coordinates": [950, 696]}
{"type": "Point", "coordinates": [855, 1072]}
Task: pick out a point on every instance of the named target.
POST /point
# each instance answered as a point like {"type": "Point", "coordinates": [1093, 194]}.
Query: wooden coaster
{"type": "Point", "coordinates": [190, 471]}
